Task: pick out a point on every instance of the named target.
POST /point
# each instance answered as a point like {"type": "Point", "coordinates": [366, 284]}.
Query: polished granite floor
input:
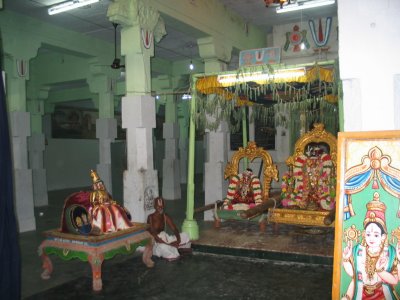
{"type": "Point", "coordinates": [235, 261]}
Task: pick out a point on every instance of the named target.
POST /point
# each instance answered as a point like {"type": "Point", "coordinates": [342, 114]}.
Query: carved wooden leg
{"type": "Point", "coordinates": [276, 228]}
{"type": "Point", "coordinates": [147, 254]}
{"type": "Point", "coordinates": [46, 265]}
{"type": "Point", "coordinates": [262, 226]}
{"type": "Point", "coordinates": [217, 223]}
{"type": "Point", "coordinates": [96, 261]}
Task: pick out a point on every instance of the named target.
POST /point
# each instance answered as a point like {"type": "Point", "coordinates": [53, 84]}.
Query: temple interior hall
{"type": "Point", "coordinates": [241, 264]}
{"type": "Point", "coordinates": [199, 149]}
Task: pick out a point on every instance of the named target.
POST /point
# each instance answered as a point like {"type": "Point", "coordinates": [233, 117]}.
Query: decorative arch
{"type": "Point", "coordinates": [251, 151]}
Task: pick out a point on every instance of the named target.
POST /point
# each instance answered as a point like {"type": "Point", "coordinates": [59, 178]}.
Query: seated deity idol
{"type": "Point", "coordinates": [94, 212]}
{"type": "Point", "coordinates": [106, 214]}
{"type": "Point", "coordinates": [311, 183]}
{"type": "Point", "coordinates": [244, 191]}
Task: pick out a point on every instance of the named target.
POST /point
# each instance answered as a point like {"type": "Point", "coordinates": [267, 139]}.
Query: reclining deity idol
{"type": "Point", "coordinates": [94, 212]}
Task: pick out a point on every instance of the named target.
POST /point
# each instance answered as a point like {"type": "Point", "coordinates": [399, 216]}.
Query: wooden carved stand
{"type": "Point", "coordinates": [95, 249]}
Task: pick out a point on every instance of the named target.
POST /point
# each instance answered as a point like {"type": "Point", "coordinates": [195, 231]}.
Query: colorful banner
{"type": "Point", "coordinates": [261, 56]}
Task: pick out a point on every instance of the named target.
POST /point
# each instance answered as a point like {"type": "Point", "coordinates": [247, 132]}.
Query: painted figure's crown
{"type": "Point", "coordinates": [95, 177]}
{"type": "Point", "coordinates": [376, 212]}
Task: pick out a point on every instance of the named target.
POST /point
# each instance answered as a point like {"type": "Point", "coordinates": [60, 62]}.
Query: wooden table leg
{"type": "Point", "coordinates": [276, 228]}
{"type": "Point", "coordinates": [262, 225]}
{"type": "Point", "coordinates": [96, 261]}
{"type": "Point", "coordinates": [217, 223]}
{"type": "Point", "coordinates": [147, 254]}
{"type": "Point", "coordinates": [46, 265]}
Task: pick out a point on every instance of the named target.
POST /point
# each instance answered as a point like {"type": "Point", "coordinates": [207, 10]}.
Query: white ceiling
{"type": "Point", "coordinates": [255, 12]}
{"type": "Point", "coordinates": [175, 45]}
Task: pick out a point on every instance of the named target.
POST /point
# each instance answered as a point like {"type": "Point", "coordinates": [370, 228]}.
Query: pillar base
{"type": "Point", "coordinates": [140, 189]}
{"type": "Point", "coordinates": [40, 197]}
{"type": "Point", "coordinates": [191, 228]}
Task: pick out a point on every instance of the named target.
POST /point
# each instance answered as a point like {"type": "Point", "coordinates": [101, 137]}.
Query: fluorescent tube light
{"type": "Point", "coordinates": [304, 5]}
{"type": "Point", "coordinates": [260, 76]}
{"type": "Point", "coordinates": [65, 6]}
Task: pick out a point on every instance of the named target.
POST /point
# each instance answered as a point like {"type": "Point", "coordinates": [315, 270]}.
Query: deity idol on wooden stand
{"type": "Point", "coordinates": [94, 212]}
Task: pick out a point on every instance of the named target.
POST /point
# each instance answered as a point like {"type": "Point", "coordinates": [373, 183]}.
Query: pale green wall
{"type": "Point", "coordinates": [68, 161]}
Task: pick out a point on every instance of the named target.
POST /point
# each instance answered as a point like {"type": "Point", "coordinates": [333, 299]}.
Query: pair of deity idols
{"type": "Point", "coordinates": [310, 184]}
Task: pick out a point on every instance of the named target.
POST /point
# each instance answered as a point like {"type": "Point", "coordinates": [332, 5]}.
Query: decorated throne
{"type": "Point", "coordinates": [248, 195]}
{"type": "Point", "coordinates": [309, 185]}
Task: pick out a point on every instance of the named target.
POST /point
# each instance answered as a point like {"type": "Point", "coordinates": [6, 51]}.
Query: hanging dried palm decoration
{"type": "Point", "coordinates": [272, 99]}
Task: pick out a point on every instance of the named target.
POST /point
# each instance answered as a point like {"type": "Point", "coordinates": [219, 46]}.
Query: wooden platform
{"type": "Point", "coordinates": [94, 249]}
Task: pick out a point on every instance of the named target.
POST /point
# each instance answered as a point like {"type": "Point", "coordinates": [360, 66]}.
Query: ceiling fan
{"type": "Point", "coordinates": [116, 64]}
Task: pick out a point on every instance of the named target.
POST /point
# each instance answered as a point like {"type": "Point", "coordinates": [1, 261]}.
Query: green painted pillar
{"type": "Point", "coordinates": [189, 224]}
{"type": "Point", "coordinates": [170, 107]}
{"type": "Point", "coordinates": [36, 98]}
{"type": "Point", "coordinates": [171, 187]}
{"type": "Point", "coordinates": [18, 53]}
{"type": "Point", "coordinates": [141, 26]}
{"type": "Point", "coordinates": [102, 83]}
{"type": "Point", "coordinates": [183, 120]}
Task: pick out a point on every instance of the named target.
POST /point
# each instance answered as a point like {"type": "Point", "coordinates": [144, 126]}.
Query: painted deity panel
{"type": "Point", "coordinates": [367, 234]}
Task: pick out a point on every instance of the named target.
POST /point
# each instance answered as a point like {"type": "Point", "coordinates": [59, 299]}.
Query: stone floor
{"type": "Point", "coordinates": [282, 242]}
{"type": "Point", "coordinates": [233, 262]}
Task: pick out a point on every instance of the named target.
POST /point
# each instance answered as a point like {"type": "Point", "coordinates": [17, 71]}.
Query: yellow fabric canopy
{"type": "Point", "coordinates": [210, 85]}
